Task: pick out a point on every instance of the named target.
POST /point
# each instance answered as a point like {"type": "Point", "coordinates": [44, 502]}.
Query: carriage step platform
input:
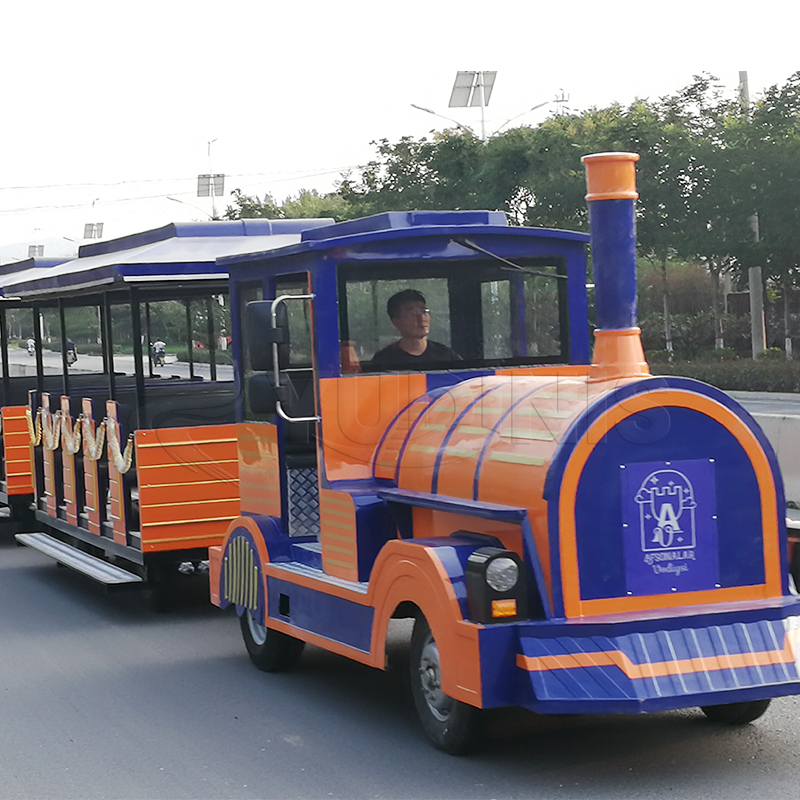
{"type": "Point", "coordinates": [71, 557]}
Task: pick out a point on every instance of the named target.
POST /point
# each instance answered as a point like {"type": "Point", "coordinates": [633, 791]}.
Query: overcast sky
{"type": "Point", "coordinates": [109, 107]}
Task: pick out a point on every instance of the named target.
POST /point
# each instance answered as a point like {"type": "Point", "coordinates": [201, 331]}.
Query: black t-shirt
{"type": "Point", "coordinates": [395, 356]}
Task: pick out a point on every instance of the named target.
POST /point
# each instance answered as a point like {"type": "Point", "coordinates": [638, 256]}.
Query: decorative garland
{"type": "Point", "coordinates": [57, 429]}
{"type": "Point", "coordinates": [35, 434]}
{"type": "Point", "coordinates": [93, 441]}
{"type": "Point", "coordinates": [71, 435]}
{"type": "Point", "coordinates": [50, 429]}
{"type": "Point", "coordinates": [122, 461]}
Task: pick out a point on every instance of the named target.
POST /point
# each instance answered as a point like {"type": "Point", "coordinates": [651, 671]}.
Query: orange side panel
{"type": "Point", "coordinates": [259, 468]}
{"type": "Point", "coordinates": [337, 521]}
{"type": "Point", "coordinates": [177, 468]}
{"type": "Point", "coordinates": [17, 450]}
{"type": "Point", "coordinates": [355, 414]}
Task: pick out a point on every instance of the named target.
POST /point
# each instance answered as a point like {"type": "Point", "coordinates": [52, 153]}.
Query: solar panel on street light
{"type": "Point", "coordinates": [466, 89]}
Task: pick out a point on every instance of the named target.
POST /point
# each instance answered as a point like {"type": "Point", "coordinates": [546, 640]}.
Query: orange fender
{"type": "Point", "coordinates": [408, 572]}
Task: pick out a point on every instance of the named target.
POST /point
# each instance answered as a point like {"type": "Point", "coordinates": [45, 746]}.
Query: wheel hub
{"type": "Point", "coordinates": [257, 631]}
{"type": "Point", "coordinates": [430, 674]}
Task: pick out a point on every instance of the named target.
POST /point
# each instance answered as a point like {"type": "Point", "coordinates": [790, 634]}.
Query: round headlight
{"type": "Point", "coordinates": [502, 574]}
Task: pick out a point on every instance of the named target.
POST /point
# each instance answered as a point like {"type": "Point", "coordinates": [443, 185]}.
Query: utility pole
{"type": "Point", "coordinates": [758, 333]}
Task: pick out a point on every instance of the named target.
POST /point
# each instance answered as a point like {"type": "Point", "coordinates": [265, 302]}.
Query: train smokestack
{"type": "Point", "coordinates": [611, 194]}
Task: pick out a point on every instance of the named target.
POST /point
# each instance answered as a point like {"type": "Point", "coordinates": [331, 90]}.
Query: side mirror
{"type": "Point", "coordinates": [262, 337]}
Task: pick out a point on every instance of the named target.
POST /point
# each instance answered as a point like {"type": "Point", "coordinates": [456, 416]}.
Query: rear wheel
{"type": "Point", "coordinates": [736, 713]}
{"type": "Point", "coordinates": [451, 725]}
{"type": "Point", "coordinates": [269, 650]}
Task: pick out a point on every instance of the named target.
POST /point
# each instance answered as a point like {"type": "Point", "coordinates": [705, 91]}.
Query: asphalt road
{"type": "Point", "coordinates": [101, 697]}
{"type": "Point", "coordinates": [21, 363]}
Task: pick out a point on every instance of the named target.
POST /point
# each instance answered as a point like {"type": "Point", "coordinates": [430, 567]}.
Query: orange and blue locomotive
{"type": "Point", "coordinates": [570, 533]}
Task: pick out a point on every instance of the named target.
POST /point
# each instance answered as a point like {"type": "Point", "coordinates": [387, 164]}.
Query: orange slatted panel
{"type": "Point", "coordinates": [176, 468]}
{"type": "Point", "coordinates": [116, 488]}
{"type": "Point", "coordinates": [68, 468]}
{"type": "Point", "coordinates": [49, 461]}
{"type": "Point", "coordinates": [17, 450]}
{"type": "Point", "coordinates": [92, 499]}
{"type": "Point", "coordinates": [259, 469]}
{"type": "Point", "coordinates": [337, 519]}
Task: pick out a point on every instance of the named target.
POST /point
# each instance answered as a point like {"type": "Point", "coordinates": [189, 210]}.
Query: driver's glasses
{"type": "Point", "coordinates": [416, 313]}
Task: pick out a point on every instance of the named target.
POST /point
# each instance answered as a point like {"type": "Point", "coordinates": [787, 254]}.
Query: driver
{"type": "Point", "coordinates": [409, 314]}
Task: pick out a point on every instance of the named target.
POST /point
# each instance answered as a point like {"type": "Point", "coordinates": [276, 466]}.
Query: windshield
{"type": "Point", "coordinates": [398, 317]}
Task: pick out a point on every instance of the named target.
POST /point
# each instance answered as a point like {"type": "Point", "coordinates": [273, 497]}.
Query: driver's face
{"type": "Point", "coordinates": [413, 320]}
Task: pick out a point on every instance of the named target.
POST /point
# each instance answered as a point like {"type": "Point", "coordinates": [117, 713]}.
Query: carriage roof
{"type": "Point", "coordinates": [185, 252]}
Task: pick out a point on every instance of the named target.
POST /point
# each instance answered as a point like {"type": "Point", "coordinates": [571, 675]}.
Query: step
{"type": "Point", "coordinates": [71, 557]}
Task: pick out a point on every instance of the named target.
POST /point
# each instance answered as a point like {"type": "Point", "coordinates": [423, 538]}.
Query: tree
{"type": "Point", "coordinates": [308, 204]}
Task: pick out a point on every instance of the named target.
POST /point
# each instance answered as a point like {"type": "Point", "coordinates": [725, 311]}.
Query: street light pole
{"type": "Point", "coordinates": [212, 187]}
{"type": "Point", "coordinates": [441, 116]}
{"type": "Point", "coordinates": [184, 203]}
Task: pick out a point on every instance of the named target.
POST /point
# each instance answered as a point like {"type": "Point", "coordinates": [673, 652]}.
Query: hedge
{"type": "Point", "coordinates": [769, 374]}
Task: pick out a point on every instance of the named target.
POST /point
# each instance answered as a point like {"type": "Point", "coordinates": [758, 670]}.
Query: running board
{"type": "Point", "coordinates": [95, 568]}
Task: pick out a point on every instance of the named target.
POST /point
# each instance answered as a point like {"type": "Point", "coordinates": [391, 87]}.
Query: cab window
{"type": "Point", "coordinates": [475, 314]}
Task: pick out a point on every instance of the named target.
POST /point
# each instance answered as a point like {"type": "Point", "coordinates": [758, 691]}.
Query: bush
{"type": "Point", "coordinates": [742, 375]}
{"type": "Point", "coordinates": [772, 354]}
{"type": "Point", "coordinates": [204, 356]}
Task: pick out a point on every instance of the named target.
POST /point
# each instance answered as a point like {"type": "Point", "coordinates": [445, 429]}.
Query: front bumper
{"type": "Point", "coordinates": [631, 666]}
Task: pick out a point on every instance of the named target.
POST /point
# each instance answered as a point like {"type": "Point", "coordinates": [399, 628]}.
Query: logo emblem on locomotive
{"type": "Point", "coordinates": [666, 511]}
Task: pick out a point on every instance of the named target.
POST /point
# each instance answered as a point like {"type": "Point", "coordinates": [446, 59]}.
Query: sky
{"type": "Point", "coordinates": [110, 110]}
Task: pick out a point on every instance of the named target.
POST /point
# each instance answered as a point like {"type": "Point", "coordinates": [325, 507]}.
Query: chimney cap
{"type": "Point", "coordinates": [611, 176]}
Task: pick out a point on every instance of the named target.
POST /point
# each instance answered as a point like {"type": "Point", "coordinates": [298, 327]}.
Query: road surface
{"type": "Point", "coordinates": [100, 697]}
{"type": "Point", "coordinates": [20, 363]}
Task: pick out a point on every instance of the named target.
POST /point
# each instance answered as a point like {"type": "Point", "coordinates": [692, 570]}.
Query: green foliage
{"type": "Point", "coordinates": [743, 375]}
{"type": "Point", "coordinates": [772, 354]}
{"type": "Point", "coordinates": [308, 204]}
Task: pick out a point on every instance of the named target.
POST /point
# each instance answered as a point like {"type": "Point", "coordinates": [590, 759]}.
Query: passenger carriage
{"type": "Point", "coordinates": [131, 463]}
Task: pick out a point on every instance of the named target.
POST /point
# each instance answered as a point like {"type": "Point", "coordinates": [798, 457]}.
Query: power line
{"type": "Point", "coordinates": [163, 195]}
{"type": "Point", "coordinates": [290, 176]}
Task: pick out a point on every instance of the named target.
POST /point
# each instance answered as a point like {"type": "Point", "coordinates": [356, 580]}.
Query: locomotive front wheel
{"type": "Point", "coordinates": [736, 713]}
{"type": "Point", "coordinates": [269, 650]}
{"type": "Point", "coordinates": [451, 725]}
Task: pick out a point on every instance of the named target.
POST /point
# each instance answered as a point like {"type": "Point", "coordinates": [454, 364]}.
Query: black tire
{"type": "Point", "coordinates": [269, 650]}
{"type": "Point", "coordinates": [794, 566]}
{"type": "Point", "coordinates": [451, 725]}
{"type": "Point", "coordinates": [736, 713]}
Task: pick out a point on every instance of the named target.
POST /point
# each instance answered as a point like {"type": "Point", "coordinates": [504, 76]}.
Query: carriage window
{"type": "Point", "coordinates": [463, 315]}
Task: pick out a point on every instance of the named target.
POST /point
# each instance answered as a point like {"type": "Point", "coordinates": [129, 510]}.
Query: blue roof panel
{"type": "Point", "coordinates": [182, 251]}
{"type": "Point", "coordinates": [396, 220]}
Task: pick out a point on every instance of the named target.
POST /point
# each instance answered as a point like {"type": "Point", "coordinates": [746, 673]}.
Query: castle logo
{"type": "Point", "coordinates": [669, 526]}
{"type": "Point", "coordinates": [666, 511]}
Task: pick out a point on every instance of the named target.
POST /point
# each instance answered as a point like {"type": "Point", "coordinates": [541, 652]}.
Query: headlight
{"type": "Point", "coordinates": [496, 586]}
{"type": "Point", "coordinates": [502, 574]}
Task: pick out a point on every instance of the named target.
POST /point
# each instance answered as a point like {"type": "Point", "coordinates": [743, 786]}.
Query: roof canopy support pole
{"type": "Point", "coordinates": [4, 356]}
{"type": "Point", "coordinates": [64, 337]}
{"type": "Point", "coordinates": [189, 337]}
{"type": "Point", "coordinates": [108, 346]}
{"type": "Point", "coordinates": [37, 337]}
{"type": "Point", "coordinates": [212, 342]}
{"type": "Point", "coordinates": [148, 338]}
{"type": "Point", "coordinates": [138, 358]}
